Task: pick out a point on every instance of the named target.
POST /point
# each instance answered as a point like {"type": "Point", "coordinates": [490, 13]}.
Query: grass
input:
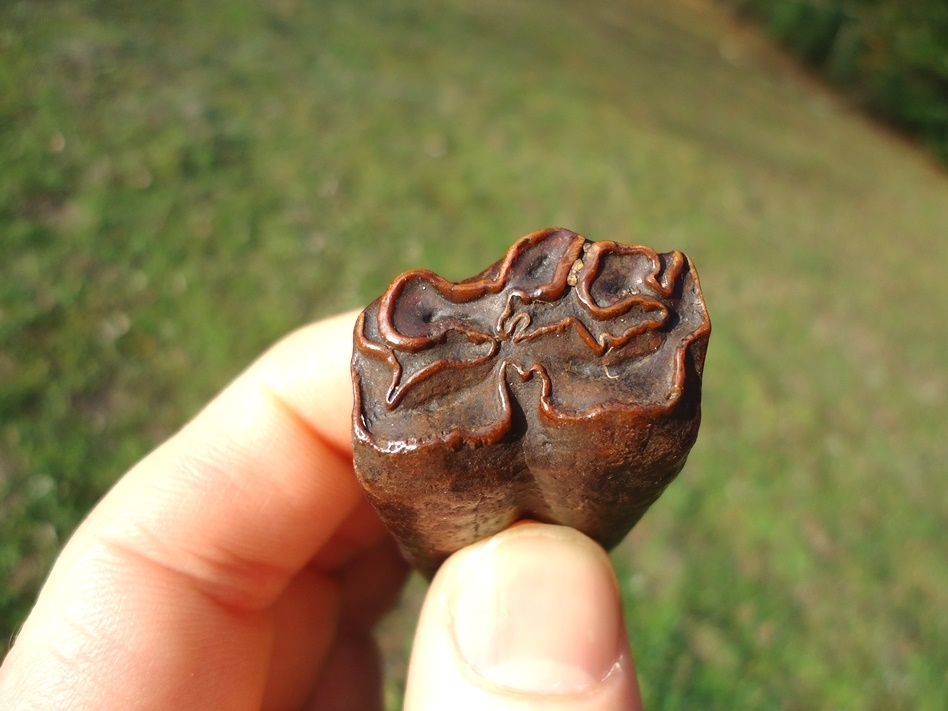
{"type": "Point", "coordinates": [184, 182]}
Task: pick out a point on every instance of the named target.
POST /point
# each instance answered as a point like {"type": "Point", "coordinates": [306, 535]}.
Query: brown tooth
{"type": "Point", "coordinates": [561, 384]}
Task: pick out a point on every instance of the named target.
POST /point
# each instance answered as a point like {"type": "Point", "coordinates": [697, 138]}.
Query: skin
{"type": "Point", "coordinates": [238, 567]}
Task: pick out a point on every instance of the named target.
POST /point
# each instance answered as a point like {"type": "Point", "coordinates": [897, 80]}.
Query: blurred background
{"type": "Point", "coordinates": [184, 182]}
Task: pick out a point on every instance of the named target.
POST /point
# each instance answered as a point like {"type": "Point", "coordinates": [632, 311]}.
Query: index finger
{"type": "Point", "coordinates": [244, 495]}
{"type": "Point", "coordinates": [162, 598]}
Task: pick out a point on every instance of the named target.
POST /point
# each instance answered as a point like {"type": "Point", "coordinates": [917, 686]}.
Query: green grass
{"type": "Point", "coordinates": [184, 182]}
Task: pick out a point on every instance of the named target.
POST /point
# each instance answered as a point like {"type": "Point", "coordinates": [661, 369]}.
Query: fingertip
{"type": "Point", "coordinates": [531, 616]}
{"type": "Point", "coordinates": [308, 370]}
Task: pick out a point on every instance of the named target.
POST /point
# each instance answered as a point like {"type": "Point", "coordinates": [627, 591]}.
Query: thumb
{"type": "Point", "coordinates": [528, 619]}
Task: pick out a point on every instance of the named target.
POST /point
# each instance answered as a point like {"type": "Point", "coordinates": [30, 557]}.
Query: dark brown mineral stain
{"type": "Point", "coordinates": [562, 384]}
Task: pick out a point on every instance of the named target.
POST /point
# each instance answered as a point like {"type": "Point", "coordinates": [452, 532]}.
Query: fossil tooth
{"type": "Point", "coordinates": [561, 384]}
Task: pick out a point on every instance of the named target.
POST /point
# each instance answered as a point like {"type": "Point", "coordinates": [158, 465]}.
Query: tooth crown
{"type": "Point", "coordinates": [561, 384]}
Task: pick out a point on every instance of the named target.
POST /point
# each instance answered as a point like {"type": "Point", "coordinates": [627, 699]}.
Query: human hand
{"type": "Point", "coordinates": [239, 567]}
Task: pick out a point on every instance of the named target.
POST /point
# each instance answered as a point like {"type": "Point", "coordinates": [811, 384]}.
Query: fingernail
{"type": "Point", "coordinates": [537, 610]}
